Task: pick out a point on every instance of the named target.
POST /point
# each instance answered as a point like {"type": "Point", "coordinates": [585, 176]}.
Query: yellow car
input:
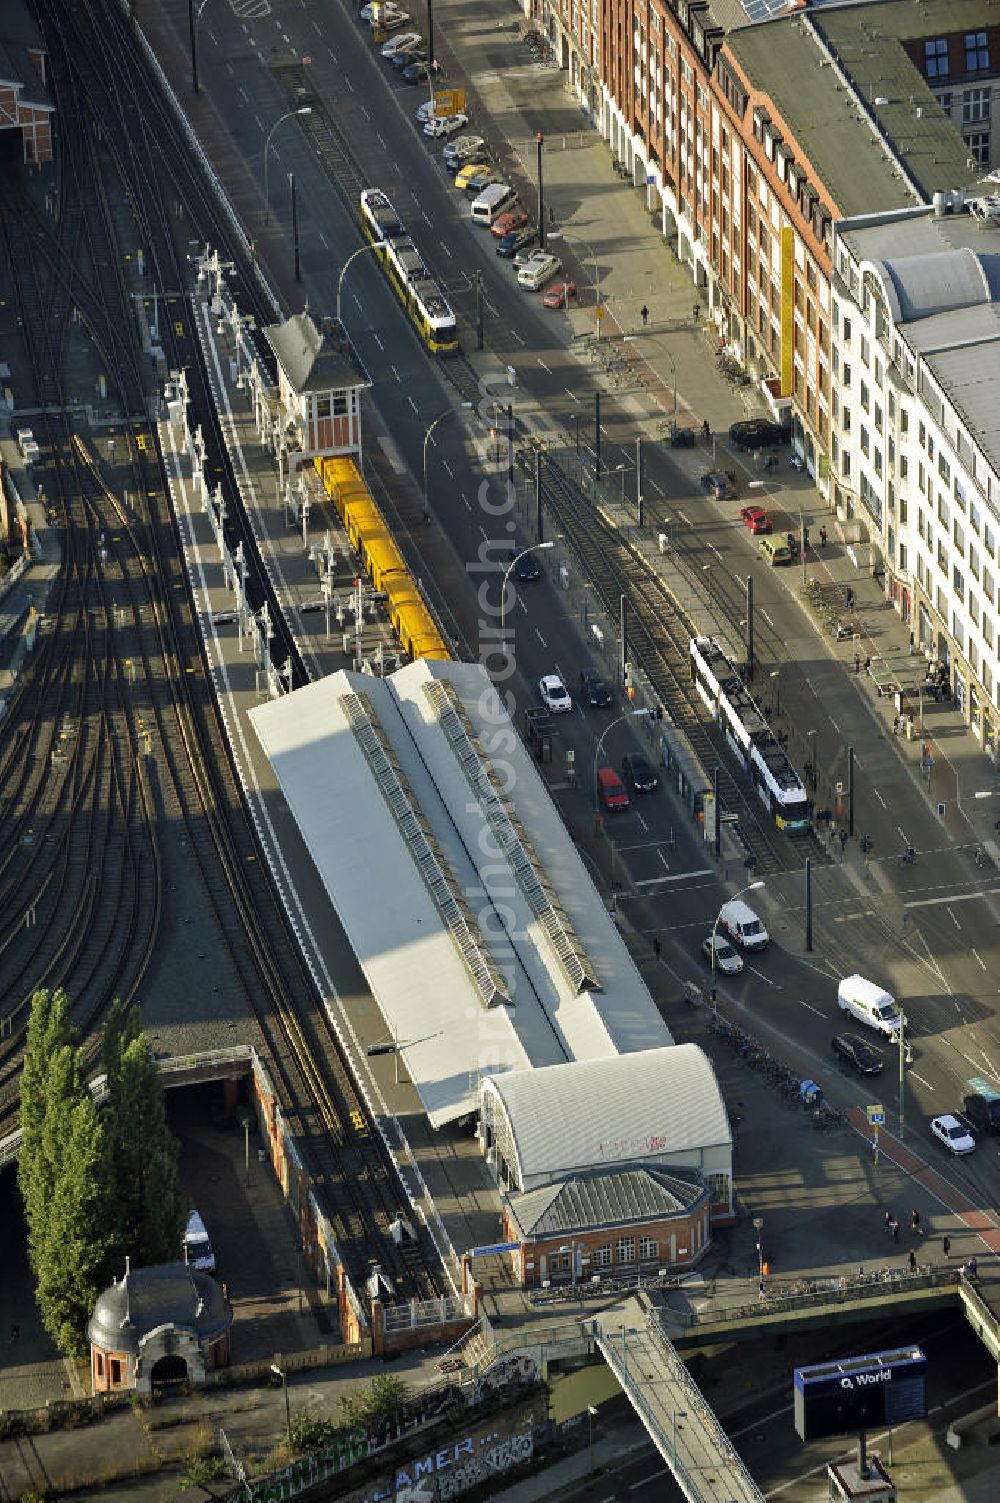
{"type": "Point", "coordinates": [471, 170]}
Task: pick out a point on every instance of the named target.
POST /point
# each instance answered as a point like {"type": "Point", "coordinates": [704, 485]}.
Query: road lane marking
{"type": "Point", "coordinates": [703, 871]}
{"type": "Point", "coordinates": [955, 897]}
{"type": "Point", "coordinates": [980, 959]}
{"type": "Point", "coordinates": [538, 634]}
{"type": "Point", "coordinates": [812, 1009]}
{"type": "Point", "coordinates": [546, 368]}
{"type": "Point", "coordinates": [880, 798]}
{"type": "Point", "coordinates": [767, 619]}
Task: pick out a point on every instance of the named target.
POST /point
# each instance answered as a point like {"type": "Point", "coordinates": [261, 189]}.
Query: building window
{"type": "Point", "coordinates": [100, 1364]}
{"type": "Point", "coordinates": [625, 1250]}
{"type": "Point", "coordinates": [958, 583]}
{"type": "Point", "coordinates": [977, 52]}
{"type": "Point", "coordinates": [648, 1249]}
{"type": "Point", "coordinates": [114, 1370]}
{"type": "Point", "coordinates": [863, 440]}
{"type": "Point", "coordinates": [339, 404]}
{"type": "Point", "coordinates": [975, 106]}
{"type": "Point", "coordinates": [936, 57]}
{"type": "Point", "coordinates": [978, 147]}
{"type": "Point", "coordinates": [865, 396]}
{"type": "Point", "coordinates": [602, 1256]}
{"type": "Point", "coordinates": [944, 468]}
{"type": "Point", "coordinates": [323, 407]}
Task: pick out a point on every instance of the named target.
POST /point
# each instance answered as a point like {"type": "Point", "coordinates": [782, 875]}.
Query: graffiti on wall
{"type": "Point", "coordinates": [514, 1451]}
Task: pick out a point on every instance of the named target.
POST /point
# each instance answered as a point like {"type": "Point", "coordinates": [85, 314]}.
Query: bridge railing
{"type": "Point", "coordinates": [810, 1294]}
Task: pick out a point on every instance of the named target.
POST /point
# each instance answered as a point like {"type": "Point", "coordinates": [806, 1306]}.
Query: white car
{"type": "Point", "coordinates": [555, 695]}
{"type": "Point", "coordinates": [424, 111]}
{"type": "Point", "coordinates": [444, 125]}
{"type": "Point", "coordinates": [456, 151]}
{"type": "Point", "coordinates": [727, 960]}
{"type": "Point", "coordinates": [949, 1131]}
{"type": "Point", "coordinates": [403, 41]}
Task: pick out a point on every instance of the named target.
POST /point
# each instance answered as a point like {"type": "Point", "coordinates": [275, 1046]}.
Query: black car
{"type": "Point", "coordinates": [717, 484]}
{"type": "Point", "coordinates": [402, 60]}
{"type": "Point", "coordinates": [758, 433]}
{"type": "Point", "coordinates": [508, 245]}
{"type": "Point", "coordinates": [527, 570]}
{"type": "Point", "coordinates": [858, 1053]}
{"type": "Point", "coordinates": [593, 690]}
{"type": "Point", "coordinates": [983, 1112]}
{"type": "Point", "coordinates": [417, 72]}
{"type": "Point", "coordinates": [682, 438]}
{"type": "Point", "coordinates": [639, 773]}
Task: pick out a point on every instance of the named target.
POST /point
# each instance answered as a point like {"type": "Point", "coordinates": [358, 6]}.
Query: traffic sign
{"type": "Point", "coordinates": [875, 1115]}
{"type": "Point", "coordinates": [599, 312]}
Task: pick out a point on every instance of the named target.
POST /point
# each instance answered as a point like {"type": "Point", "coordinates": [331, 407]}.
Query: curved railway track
{"type": "Point", "coordinates": [97, 62]}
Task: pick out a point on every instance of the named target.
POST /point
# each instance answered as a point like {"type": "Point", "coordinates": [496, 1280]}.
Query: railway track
{"type": "Point", "coordinates": [97, 62]}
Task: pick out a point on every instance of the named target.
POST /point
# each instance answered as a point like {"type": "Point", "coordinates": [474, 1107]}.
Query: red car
{"type": "Point", "coordinates": [559, 294]}
{"type": "Point", "coordinates": [756, 519]}
{"type": "Point", "coordinates": [514, 219]}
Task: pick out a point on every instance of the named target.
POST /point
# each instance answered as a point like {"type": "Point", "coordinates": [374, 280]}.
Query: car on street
{"type": "Point", "coordinates": [527, 569]}
{"type": "Point", "coordinates": [758, 433]}
{"type": "Point", "coordinates": [757, 519]}
{"type": "Point", "coordinates": [417, 72]}
{"type": "Point", "coordinates": [393, 20]}
{"type": "Point", "coordinates": [518, 240]}
{"type": "Point", "coordinates": [423, 112]}
{"type": "Point", "coordinates": [457, 152]}
{"type": "Point", "coordinates": [955, 1136]}
{"type": "Point", "coordinates": [727, 960]}
{"type": "Point", "coordinates": [403, 41]}
{"type": "Point", "coordinates": [559, 295]}
{"type": "Point", "coordinates": [407, 55]}
{"type": "Point", "coordinates": [513, 219]}
{"type": "Point", "coordinates": [438, 126]}
{"type": "Point", "coordinates": [639, 773]}
{"type": "Point", "coordinates": [524, 256]}
{"type": "Point", "coordinates": [716, 483]}
{"type": "Point", "coordinates": [555, 695]}
{"type": "Point", "coordinates": [982, 1108]}
{"type": "Point", "coordinates": [612, 791]}
{"type": "Point", "coordinates": [539, 268]}
{"type": "Point", "coordinates": [857, 1053]}
{"type": "Point", "coordinates": [682, 438]}
{"type": "Point", "coordinates": [594, 691]}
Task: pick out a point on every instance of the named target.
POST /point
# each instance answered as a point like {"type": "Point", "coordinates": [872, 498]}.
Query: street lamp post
{"type": "Point", "coordinates": [751, 887]}
{"type": "Point", "coordinates": [194, 16]}
{"type": "Point", "coordinates": [305, 109]}
{"type": "Point", "coordinates": [343, 272]}
{"type": "Point", "coordinates": [461, 407]}
{"type": "Point", "coordinates": [280, 1373]}
{"type": "Point", "coordinates": [534, 548]}
{"type": "Point", "coordinates": [758, 1226]}
{"type": "Point", "coordinates": [629, 715]}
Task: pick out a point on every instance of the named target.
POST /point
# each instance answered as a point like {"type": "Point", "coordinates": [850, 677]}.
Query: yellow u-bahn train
{"type": "Point", "coordinates": [382, 561]}
{"type": "Point", "coordinates": [428, 308]}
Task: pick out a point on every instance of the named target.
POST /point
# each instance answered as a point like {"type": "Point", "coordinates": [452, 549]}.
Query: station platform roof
{"type": "Point", "coordinates": [486, 949]}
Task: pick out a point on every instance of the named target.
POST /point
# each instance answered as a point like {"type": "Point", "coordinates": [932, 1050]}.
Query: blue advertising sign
{"type": "Point", "coordinates": [492, 1247]}
{"type": "Point", "coordinates": [860, 1393]}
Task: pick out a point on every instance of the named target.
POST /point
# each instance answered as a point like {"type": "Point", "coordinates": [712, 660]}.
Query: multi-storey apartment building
{"type": "Point", "coordinates": [916, 449]}
{"type": "Point", "coordinates": [961, 64]}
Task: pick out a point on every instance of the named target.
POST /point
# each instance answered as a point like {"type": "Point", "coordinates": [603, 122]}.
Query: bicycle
{"type": "Point", "coordinates": [907, 857]}
{"type": "Point", "coordinates": [983, 858]}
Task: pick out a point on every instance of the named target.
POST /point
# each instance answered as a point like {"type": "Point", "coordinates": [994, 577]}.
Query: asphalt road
{"type": "Point", "coordinates": [915, 923]}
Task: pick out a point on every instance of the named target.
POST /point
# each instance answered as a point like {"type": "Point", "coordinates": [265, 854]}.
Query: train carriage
{"type": "Point", "coordinates": [420, 295]}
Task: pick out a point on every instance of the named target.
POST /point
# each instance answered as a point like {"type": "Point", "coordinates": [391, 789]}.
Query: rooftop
{"type": "Point", "coordinates": [168, 1293]}
{"type": "Point", "coordinates": [617, 1197]}
{"type": "Point", "coordinates": [313, 359]}
{"type": "Point", "coordinates": [833, 124]}
{"type": "Point", "coordinates": [941, 277]}
{"type": "Point", "coordinates": [486, 950]}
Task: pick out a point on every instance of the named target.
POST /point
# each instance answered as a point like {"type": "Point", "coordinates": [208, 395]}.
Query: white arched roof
{"type": "Point", "coordinates": [593, 1114]}
{"type": "Point", "coordinates": [935, 282]}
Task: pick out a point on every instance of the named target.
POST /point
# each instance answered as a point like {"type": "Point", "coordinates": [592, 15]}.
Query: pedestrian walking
{"type": "Point", "coordinates": [706, 430]}
{"type": "Point", "coordinates": [644, 315]}
{"type": "Point", "coordinates": [912, 645]}
{"type": "Point", "coordinates": [895, 1230]}
{"type": "Point", "coordinates": [971, 1268]}
{"type": "Point", "coordinates": [888, 1222]}
{"type": "Point", "coordinates": [849, 598]}
{"type": "Point", "coordinates": [946, 1245]}
{"type": "Point", "coordinates": [915, 1226]}
{"type": "Point", "coordinates": [822, 537]}
{"type": "Point", "coordinates": [657, 947]}
{"type": "Point", "coordinates": [696, 312]}
{"type": "Point", "coordinates": [895, 725]}
{"type": "Point", "coordinates": [843, 840]}
{"type": "Point", "coordinates": [913, 1261]}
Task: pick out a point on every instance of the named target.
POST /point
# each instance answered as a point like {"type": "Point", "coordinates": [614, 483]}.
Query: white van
{"type": "Point", "coordinates": [870, 1004]}
{"type": "Point", "coordinates": [741, 925]}
{"type": "Point", "coordinates": [537, 270]}
{"type": "Point", "coordinates": [198, 1250]}
{"type": "Point", "coordinates": [492, 202]}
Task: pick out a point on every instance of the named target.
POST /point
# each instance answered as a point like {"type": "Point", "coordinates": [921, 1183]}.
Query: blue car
{"type": "Point", "coordinates": [509, 245]}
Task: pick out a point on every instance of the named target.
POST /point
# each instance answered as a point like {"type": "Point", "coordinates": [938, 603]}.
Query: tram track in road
{"type": "Point", "coordinates": [138, 563]}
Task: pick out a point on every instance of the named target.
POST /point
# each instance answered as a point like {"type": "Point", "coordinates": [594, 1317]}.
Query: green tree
{"type": "Point", "coordinates": [72, 1263]}
{"type": "Point", "coordinates": [146, 1207]}
{"type": "Point", "coordinates": [49, 1031]}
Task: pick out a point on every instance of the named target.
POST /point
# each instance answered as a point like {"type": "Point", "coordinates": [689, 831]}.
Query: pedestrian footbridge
{"type": "Point", "coordinates": [681, 1425]}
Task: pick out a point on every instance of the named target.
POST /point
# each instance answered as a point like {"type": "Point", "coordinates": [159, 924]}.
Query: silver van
{"type": "Point", "coordinates": [492, 202]}
{"type": "Point", "coordinates": [198, 1250]}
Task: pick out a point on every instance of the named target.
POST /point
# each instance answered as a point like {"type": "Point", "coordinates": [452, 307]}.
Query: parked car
{"type": "Point", "coordinates": [437, 126]}
{"type": "Point", "coordinates": [513, 219]}
{"type": "Point", "coordinates": [758, 433]}
{"type": "Point", "coordinates": [953, 1134]}
{"type": "Point", "coordinates": [857, 1053]}
{"type": "Point", "coordinates": [417, 72]}
{"type": "Point", "coordinates": [423, 112]}
{"type": "Point", "coordinates": [757, 519]}
{"type": "Point", "coordinates": [537, 270]}
{"type": "Point", "coordinates": [716, 483]}
{"type": "Point", "coordinates": [639, 773]}
{"type": "Point", "coordinates": [555, 695]}
{"type": "Point", "coordinates": [393, 20]}
{"type": "Point", "coordinates": [611, 790]}
{"type": "Point", "coordinates": [407, 55]}
{"type": "Point", "coordinates": [727, 960]}
{"type": "Point", "coordinates": [559, 295]}
{"type": "Point", "coordinates": [593, 690]}
{"type": "Point", "coordinates": [518, 240]}
{"type": "Point", "coordinates": [682, 438]}
{"type": "Point", "coordinates": [403, 41]}
{"type": "Point", "coordinates": [457, 152]}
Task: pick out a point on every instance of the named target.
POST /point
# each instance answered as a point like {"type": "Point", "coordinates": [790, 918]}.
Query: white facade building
{"type": "Point", "coordinates": [915, 454]}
